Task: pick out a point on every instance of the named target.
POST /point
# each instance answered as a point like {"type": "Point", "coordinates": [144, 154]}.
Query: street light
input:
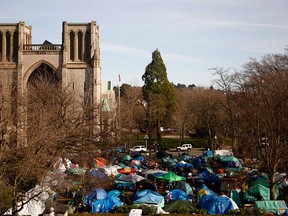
{"type": "Point", "coordinates": [146, 139]}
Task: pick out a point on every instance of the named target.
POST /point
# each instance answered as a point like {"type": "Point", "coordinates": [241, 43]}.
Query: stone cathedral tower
{"type": "Point", "coordinates": [77, 60]}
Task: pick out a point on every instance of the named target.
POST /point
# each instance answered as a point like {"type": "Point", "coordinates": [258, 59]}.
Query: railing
{"type": "Point", "coordinates": [42, 48]}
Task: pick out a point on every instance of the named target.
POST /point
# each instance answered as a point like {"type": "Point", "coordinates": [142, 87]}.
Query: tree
{"type": "Point", "coordinates": [262, 99]}
{"type": "Point", "coordinates": [57, 125]}
{"type": "Point", "coordinates": [225, 82]}
{"type": "Point", "coordinates": [208, 113]}
{"type": "Point", "coordinates": [184, 115]}
{"type": "Point", "coordinates": [133, 112]}
{"type": "Point", "coordinates": [158, 93]}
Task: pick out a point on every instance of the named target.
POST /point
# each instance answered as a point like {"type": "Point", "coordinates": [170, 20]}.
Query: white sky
{"type": "Point", "coordinates": [192, 35]}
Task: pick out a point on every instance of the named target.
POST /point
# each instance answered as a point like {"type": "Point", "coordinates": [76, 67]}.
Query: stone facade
{"type": "Point", "coordinates": [77, 59]}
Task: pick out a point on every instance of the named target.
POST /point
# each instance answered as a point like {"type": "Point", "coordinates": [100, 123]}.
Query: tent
{"type": "Point", "coordinates": [176, 194]}
{"type": "Point", "coordinates": [171, 177]}
{"type": "Point", "coordinates": [257, 192]}
{"type": "Point", "coordinates": [146, 184]}
{"type": "Point", "coordinates": [178, 206]}
{"type": "Point", "coordinates": [151, 171]}
{"type": "Point", "coordinates": [131, 178]}
{"type": "Point", "coordinates": [127, 170]}
{"type": "Point", "coordinates": [275, 206]}
{"type": "Point", "coordinates": [148, 197]}
{"type": "Point", "coordinates": [114, 193]}
{"type": "Point", "coordinates": [217, 204]}
{"type": "Point", "coordinates": [95, 194]}
{"type": "Point", "coordinates": [184, 186]}
{"type": "Point", "coordinates": [127, 157]}
{"type": "Point", "coordinates": [184, 157]}
{"type": "Point", "coordinates": [230, 162]}
{"type": "Point", "coordinates": [105, 205]}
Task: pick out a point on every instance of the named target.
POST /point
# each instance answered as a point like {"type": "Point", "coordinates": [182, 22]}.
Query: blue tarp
{"type": "Point", "coordinates": [97, 174]}
{"type": "Point", "coordinates": [148, 197]}
{"type": "Point", "coordinates": [216, 204]}
{"type": "Point", "coordinates": [114, 193]}
{"type": "Point", "coordinates": [105, 205]}
{"type": "Point", "coordinates": [176, 194]}
{"type": "Point", "coordinates": [95, 194]}
{"type": "Point", "coordinates": [209, 178]}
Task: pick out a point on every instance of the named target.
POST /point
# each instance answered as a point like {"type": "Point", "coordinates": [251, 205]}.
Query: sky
{"type": "Point", "coordinates": [192, 36]}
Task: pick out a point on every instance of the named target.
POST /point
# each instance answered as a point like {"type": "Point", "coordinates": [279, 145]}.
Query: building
{"type": "Point", "coordinates": [75, 63]}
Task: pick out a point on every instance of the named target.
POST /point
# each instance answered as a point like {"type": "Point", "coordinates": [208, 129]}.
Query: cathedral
{"type": "Point", "coordinates": [74, 63]}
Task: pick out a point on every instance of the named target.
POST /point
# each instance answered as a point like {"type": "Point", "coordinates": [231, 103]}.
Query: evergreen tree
{"type": "Point", "coordinates": [159, 95]}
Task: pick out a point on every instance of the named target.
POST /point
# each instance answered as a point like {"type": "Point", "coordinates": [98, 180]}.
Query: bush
{"type": "Point", "coordinates": [5, 197]}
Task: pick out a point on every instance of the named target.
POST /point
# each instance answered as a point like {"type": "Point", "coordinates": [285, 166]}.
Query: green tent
{"type": "Point", "coordinates": [179, 206]}
{"type": "Point", "coordinates": [275, 206]}
{"type": "Point", "coordinates": [171, 177]}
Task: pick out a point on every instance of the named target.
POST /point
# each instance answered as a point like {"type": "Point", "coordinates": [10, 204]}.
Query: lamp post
{"type": "Point", "coordinates": [146, 139]}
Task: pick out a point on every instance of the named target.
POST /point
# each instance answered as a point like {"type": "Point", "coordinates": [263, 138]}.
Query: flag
{"type": "Point", "coordinates": [119, 78]}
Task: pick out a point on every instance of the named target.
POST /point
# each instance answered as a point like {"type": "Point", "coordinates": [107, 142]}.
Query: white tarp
{"type": "Point", "coordinates": [36, 205]}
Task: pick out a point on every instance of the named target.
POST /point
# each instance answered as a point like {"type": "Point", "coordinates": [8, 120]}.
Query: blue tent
{"type": "Point", "coordinates": [148, 197]}
{"type": "Point", "coordinates": [217, 204]}
{"type": "Point", "coordinates": [114, 193]}
{"type": "Point", "coordinates": [95, 194]}
{"type": "Point", "coordinates": [176, 194]}
{"type": "Point", "coordinates": [105, 205]}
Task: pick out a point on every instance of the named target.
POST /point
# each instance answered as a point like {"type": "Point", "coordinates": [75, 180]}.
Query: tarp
{"type": "Point", "coordinates": [230, 161]}
{"type": "Point", "coordinates": [127, 157]}
{"type": "Point", "coordinates": [100, 161]}
{"type": "Point", "coordinates": [178, 206]}
{"type": "Point", "coordinates": [97, 174]}
{"type": "Point", "coordinates": [114, 193]}
{"type": "Point", "coordinates": [127, 170]}
{"type": "Point", "coordinates": [95, 194]}
{"type": "Point", "coordinates": [204, 190]}
{"type": "Point", "coordinates": [275, 206]}
{"type": "Point", "coordinates": [105, 205]}
{"type": "Point", "coordinates": [184, 186]}
{"type": "Point", "coordinates": [184, 157]}
{"type": "Point", "coordinates": [171, 177]}
{"type": "Point", "coordinates": [131, 178]}
{"type": "Point", "coordinates": [151, 171]}
{"type": "Point", "coordinates": [235, 195]}
{"type": "Point", "coordinates": [35, 206]}
{"type": "Point", "coordinates": [257, 192]}
{"type": "Point", "coordinates": [176, 194]}
{"type": "Point", "coordinates": [148, 197]}
{"type": "Point", "coordinates": [110, 170]}
{"type": "Point", "coordinates": [217, 204]}
{"type": "Point", "coordinates": [146, 184]}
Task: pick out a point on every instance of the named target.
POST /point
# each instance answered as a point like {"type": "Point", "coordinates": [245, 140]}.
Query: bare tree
{"type": "Point", "coordinates": [133, 112]}
{"type": "Point", "coordinates": [262, 93]}
{"type": "Point", "coordinates": [57, 126]}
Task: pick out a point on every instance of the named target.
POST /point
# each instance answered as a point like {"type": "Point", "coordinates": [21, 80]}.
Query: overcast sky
{"type": "Point", "coordinates": [192, 35]}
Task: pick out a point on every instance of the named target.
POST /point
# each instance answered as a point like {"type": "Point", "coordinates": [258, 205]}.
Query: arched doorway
{"type": "Point", "coordinates": [43, 88]}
